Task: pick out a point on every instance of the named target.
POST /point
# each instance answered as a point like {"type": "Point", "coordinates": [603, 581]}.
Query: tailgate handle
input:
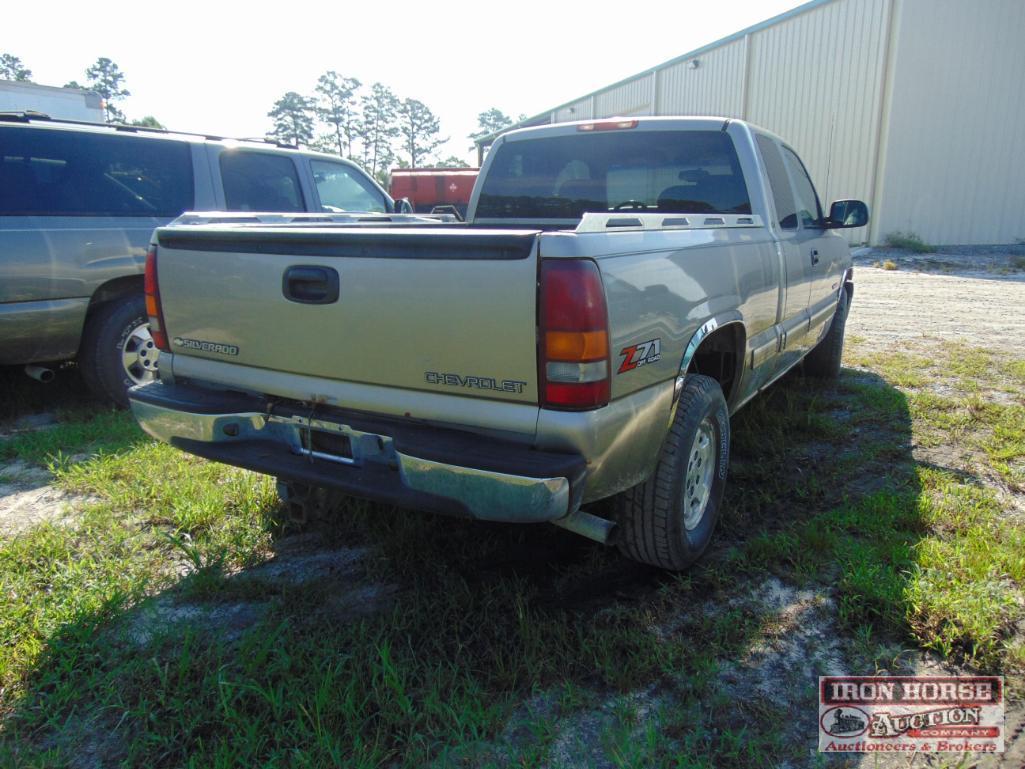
{"type": "Point", "coordinates": [310, 285]}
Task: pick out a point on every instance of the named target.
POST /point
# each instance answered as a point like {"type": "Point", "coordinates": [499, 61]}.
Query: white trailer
{"type": "Point", "coordinates": [63, 103]}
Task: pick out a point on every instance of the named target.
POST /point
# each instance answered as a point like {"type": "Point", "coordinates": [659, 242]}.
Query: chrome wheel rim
{"type": "Point", "coordinates": [697, 484]}
{"type": "Point", "coordinates": [139, 355]}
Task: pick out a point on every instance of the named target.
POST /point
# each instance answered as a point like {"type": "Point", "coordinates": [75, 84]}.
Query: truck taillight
{"type": "Point", "coordinates": [573, 337]}
{"type": "Point", "coordinates": [607, 125]}
{"type": "Point", "coordinates": [153, 309]}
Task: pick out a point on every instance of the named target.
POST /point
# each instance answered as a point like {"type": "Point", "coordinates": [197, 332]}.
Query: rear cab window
{"type": "Point", "coordinates": [260, 181]}
{"type": "Point", "coordinates": [78, 173]}
{"type": "Point", "coordinates": [563, 177]}
{"type": "Point", "coordinates": [343, 188]}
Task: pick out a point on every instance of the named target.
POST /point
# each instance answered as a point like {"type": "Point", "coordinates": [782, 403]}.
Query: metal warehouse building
{"type": "Point", "coordinates": [916, 107]}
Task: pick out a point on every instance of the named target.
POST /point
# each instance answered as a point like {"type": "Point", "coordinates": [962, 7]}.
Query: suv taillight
{"type": "Point", "coordinates": [573, 337]}
{"type": "Point", "coordinates": [153, 309]}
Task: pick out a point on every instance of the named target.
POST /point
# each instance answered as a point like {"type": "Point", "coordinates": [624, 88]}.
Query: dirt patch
{"type": "Point", "coordinates": [893, 309]}
{"type": "Point", "coordinates": [166, 616]}
{"type": "Point", "coordinates": [294, 567]}
{"type": "Point", "coordinates": [27, 499]}
{"type": "Point", "coordinates": [28, 423]}
{"type": "Point", "coordinates": [298, 562]}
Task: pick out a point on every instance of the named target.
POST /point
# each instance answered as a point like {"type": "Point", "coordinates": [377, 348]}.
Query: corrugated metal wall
{"type": "Point", "coordinates": [918, 103]}
{"type": "Point", "coordinates": [954, 157]}
{"type": "Point", "coordinates": [816, 80]}
{"type": "Point", "coordinates": [578, 110]}
{"type": "Point", "coordinates": [714, 87]}
{"type": "Point", "coordinates": [632, 98]}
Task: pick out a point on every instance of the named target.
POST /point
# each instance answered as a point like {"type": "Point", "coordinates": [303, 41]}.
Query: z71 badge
{"type": "Point", "coordinates": [641, 354]}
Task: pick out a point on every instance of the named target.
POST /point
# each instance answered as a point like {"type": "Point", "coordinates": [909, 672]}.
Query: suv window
{"type": "Point", "coordinates": [79, 173]}
{"type": "Point", "coordinates": [563, 177]}
{"type": "Point", "coordinates": [260, 181]}
{"type": "Point", "coordinates": [343, 188]}
{"type": "Point", "coordinates": [808, 208]}
{"type": "Point", "coordinates": [779, 182]}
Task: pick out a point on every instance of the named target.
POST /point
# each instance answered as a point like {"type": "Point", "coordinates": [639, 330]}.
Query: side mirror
{"type": "Point", "coordinates": [403, 206]}
{"type": "Point", "coordinates": [847, 213]}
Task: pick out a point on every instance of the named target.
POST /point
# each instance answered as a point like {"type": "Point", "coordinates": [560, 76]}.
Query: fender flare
{"type": "Point", "coordinates": [705, 330]}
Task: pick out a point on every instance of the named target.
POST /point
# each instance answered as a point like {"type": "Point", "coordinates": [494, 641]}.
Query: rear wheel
{"type": "Point", "coordinates": [668, 520]}
{"type": "Point", "coordinates": [117, 350]}
{"type": "Point", "coordinates": [823, 362]}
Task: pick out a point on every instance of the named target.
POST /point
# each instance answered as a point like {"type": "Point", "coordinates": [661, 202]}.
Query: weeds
{"type": "Point", "coordinates": [907, 241]}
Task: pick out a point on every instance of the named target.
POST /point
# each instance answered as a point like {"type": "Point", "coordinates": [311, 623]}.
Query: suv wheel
{"type": "Point", "coordinates": [668, 520]}
{"type": "Point", "coordinates": [118, 351]}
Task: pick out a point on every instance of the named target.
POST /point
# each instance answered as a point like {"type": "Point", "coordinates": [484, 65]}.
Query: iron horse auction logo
{"type": "Point", "coordinates": [845, 723]}
{"type": "Point", "coordinates": [926, 714]}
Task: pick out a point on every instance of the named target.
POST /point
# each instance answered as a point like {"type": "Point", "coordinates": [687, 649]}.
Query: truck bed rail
{"type": "Point", "coordinates": [617, 221]}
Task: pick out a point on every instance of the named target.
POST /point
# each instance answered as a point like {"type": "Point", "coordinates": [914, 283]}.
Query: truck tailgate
{"type": "Point", "coordinates": [444, 310]}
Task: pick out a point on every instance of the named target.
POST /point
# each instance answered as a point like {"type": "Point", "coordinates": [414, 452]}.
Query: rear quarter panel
{"type": "Point", "coordinates": [664, 285]}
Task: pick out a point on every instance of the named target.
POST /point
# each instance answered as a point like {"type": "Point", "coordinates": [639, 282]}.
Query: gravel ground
{"type": "Point", "coordinates": [895, 307]}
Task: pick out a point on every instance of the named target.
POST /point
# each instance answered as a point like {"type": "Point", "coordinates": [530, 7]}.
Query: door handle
{"type": "Point", "coordinates": [310, 284]}
{"type": "Point", "coordinates": [814, 256]}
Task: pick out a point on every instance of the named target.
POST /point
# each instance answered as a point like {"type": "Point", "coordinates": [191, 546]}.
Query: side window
{"type": "Point", "coordinates": [80, 173]}
{"type": "Point", "coordinates": [343, 188]}
{"type": "Point", "coordinates": [260, 181]}
{"type": "Point", "coordinates": [808, 207]}
{"type": "Point", "coordinates": [779, 182]}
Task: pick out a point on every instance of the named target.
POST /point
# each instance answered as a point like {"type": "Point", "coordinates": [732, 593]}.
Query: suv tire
{"type": "Point", "coordinates": [117, 351]}
{"type": "Point", "coordinates": [823, 362]}
{"type": "Point", "coordinates": [668, 520]}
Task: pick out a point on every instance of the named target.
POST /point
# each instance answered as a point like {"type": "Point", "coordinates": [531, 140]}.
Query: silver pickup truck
{"type": "Point", "coordinates": [619, 289]}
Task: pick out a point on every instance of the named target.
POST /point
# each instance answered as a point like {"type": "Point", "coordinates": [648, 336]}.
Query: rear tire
{"type": "Point", "coordinates": [117, 351]}
{"type": "Point", "coordinates": [823, 362]}
{"type": "Point", "coordinates": [668, 520]}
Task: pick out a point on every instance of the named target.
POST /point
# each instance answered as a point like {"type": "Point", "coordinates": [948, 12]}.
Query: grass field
{"type": "Point", "coordinates": [175, 620]}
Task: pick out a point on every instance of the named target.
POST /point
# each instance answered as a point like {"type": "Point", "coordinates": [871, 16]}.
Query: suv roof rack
{"type": "Point", "coordinates": [26, 116]}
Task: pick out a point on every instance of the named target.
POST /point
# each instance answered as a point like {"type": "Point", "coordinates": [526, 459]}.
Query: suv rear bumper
{"type": "Point", "coordinates": [380, 458]}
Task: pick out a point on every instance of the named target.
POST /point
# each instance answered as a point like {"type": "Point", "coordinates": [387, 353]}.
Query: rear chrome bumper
{"type": "Point", "coordinates": [414, 466]}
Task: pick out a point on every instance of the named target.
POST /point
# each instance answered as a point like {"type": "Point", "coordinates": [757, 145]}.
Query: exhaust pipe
{"type": "Point", "coordinates": [588, 525]}
{"type": "Point", "coordinates": [40, 373]}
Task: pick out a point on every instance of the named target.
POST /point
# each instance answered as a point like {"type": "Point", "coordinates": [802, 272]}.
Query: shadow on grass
{"type": "Point", "coordinates": [43, 423]}
{"type": "Point", "coordinates": [479, 618]}
{"type": "Point", "coordinates": [24, 396]}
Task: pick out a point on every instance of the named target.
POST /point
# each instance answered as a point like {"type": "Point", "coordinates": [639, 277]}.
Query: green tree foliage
{"type": "Point", "coordinates": [453, 161]}
{"type": "Point", "coordinates": [338, 109]}
{"type": "Point", "coordinates": [148, 122]}
{"type": "Point", "coordinates": [419, 129]}
{"type": "Point", "coordinates": [293, 117]}
{"type": "Point", "coordinates": [11, 68]}
{"type": "Point", "coordinates": [107, 79]}
{"type": "Point", "coordinates": [377, 129]}
{"type": "Point", "coordinates": [489, 121]}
